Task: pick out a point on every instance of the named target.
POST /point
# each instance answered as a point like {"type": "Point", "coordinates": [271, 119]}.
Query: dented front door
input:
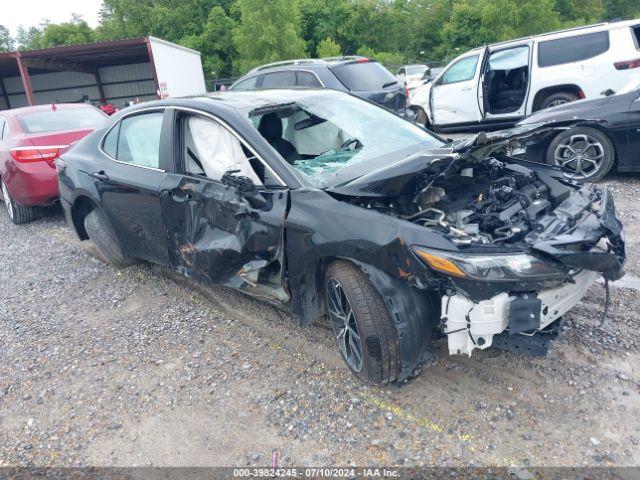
{"type": "Point", "coordinates": [220, 235]}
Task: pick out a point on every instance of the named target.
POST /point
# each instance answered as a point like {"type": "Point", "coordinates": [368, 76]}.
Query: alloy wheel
{"type": "Point", "coordinates": [557, 102]}
{"type": "Point", "coordinates": [7, 200]}
{"type": "Point", "coordinates": [580, 155]}
{"type": "Point", "coordinates": [344, 325]}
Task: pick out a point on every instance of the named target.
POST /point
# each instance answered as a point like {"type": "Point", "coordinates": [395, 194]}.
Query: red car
{"type": "Point", "coordinates": [31, 138]}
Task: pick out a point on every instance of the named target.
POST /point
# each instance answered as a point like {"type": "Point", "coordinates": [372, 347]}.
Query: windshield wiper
{"type": "Point", "coordinates": [388, 84]}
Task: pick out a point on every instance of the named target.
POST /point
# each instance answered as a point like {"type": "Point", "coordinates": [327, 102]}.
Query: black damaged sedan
{"type": "Point", "coordinates": [325, 204]}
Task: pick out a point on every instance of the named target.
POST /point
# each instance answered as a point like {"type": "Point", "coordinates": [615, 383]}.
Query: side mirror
{"type": "Point", "coordinates": [246, 188]}
{"type": "Point", "coordinates": [242, 183]}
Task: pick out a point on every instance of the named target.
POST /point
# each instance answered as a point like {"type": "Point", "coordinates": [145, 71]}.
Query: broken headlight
{"type": "Point", "coordinates": [497, 267]}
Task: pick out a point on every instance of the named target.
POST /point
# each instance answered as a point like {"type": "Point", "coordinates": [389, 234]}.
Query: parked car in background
{"type": "Point", "coordinates": [412, 76]}
{"type": "Point", "coordinates": [358, 75]}
{"type": "Point", "coordinates": [31, 139]}
{"type": "Point", "coordinates": [496, 86]}
{"type": "Point", "coordinates": [609, 136]}
{"type": "Point", "coordinates": [325, 204]}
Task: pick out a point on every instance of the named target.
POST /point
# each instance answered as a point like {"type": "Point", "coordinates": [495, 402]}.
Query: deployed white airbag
{"type": "Point", "coordinates": [219, 150]}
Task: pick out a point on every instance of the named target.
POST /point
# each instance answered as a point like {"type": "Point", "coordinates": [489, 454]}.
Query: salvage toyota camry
{"type": "Point", "coordinates": [325, 204]}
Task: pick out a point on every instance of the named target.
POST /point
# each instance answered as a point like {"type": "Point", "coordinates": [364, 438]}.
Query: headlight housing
{"type": "Point", "coordinates": [490, 267]}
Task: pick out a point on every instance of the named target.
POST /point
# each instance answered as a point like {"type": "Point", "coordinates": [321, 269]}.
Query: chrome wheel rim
{"type": "Point", "coordinates": [7, 200]}
{"type": "Point", "coordinates": [555, 103]}
{"type": "Point", "coordinates": [581, 156]}
{"type": "Point", "coordinates": [344, 325]}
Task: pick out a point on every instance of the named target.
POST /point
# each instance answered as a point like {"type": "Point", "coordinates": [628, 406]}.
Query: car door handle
{"type": "Point", "coordinates": [177, 195]}
{"type": "Point", "coordinates": [466, 89]}
{"type": "Point", "coordinates": [103, 177]}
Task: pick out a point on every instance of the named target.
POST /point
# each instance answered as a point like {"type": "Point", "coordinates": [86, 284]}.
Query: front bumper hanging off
{"type": "Point", "coordinates": [470, 325]}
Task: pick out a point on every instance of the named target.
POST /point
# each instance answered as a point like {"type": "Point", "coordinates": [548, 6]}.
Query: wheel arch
{"type": "Point", "coordinates": [545, 92]}
{"type": "Point", "coordinates": [415, 312]}
{"type": "Point", "coordinates": [81, 207]}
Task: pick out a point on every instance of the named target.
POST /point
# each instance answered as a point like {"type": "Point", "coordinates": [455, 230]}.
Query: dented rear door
{"type": "Point", "coordinates": [221, 235]}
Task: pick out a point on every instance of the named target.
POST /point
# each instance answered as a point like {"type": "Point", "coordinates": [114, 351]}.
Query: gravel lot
{"type": "Point", "coordinates": [138, 367]}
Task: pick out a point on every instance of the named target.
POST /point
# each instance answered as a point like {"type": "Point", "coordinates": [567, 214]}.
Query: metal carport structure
{"type": "Point", "coordinates": [114, 72]}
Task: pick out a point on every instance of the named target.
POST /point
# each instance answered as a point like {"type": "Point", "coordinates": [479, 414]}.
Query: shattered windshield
{"type": "Point", "coordinates": [321, 135]}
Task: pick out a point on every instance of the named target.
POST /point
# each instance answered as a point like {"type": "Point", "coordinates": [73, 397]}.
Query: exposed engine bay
{"type": "Point", "coordinates": [481, 202]}
{"type": "Point", "coordinates": [488, 202]}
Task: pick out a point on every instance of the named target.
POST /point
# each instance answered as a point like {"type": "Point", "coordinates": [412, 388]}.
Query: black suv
{"type": "Point", "coordinates": [358, 75]}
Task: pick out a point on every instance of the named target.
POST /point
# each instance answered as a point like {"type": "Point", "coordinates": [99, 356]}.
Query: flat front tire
{"type": "Point", "coordinates": [18, 214]}
{"type": "Point", "coordinates": [362, 326]}
{"type": "Point", "coordinates": [104, 239]}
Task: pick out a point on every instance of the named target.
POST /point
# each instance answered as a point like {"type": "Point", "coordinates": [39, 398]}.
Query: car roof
{"type": "Point", "coordinates": [569, 32]}
{"type": "Point", "coordinates": [46, 107]}
{"type": "Point", "coordinates": [246, 100]}
{"type": "Point", "coordinates": [310, 63]}
{"type": "Point", "coordinates": [242, 101]}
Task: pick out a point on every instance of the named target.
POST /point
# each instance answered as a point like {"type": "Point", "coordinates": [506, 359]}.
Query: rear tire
{"type": "Point", "coordinates": [17, 213]}
{"type": "Point", "coordinates": [557, 98]}
{"type": "Point", "coordinates": [347, 288]}
{"type": "Point", "coordinates": [105, 240]}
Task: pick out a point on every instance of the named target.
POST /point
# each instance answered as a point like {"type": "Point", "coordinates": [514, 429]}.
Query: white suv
{"type": "Point", "coordinates": [496, 86]}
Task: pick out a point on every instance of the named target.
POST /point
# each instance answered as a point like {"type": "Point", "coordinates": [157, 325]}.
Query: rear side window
{"type": "Point", "coordinates": [307, 79]}
{"type": "Point", "coordinates": [364, 76]}
{"type": "Point", "coordinates": [110, 144]}
{"type": "Point", "coordinates": [248, 84]}
{"type": "Point", "coordinates": [572, 49]}
{"type": "Point", "coordinates": [286, 78]}
{"type": "Point", "coordinates": [136, 140]}
{"type": "Point", "coordinates": [635, 31]}
{"type": "Point", "coordinates": [58, 120]}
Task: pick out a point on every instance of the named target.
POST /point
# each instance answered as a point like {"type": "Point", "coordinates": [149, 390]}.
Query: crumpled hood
{"type": "Point", "coordinates": [393, 179]}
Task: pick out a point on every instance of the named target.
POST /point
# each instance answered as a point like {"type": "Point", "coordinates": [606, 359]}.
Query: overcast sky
{"type": "Point", "coordinates": [32, 12]}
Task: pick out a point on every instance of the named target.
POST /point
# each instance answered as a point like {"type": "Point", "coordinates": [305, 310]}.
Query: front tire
{"type": "Point", "coordinates": [17, 213]}
{"type": "Point", "coordinates": [362, 326]}
{"type": "Point", "coordinates": [102, 236]}
{"type": "Point", "coordinates": [585, 153]}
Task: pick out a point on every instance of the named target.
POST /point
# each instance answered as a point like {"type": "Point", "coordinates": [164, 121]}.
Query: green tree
{"type": "Point", "coordinates": [74, 32]}
{"type": "Point", "coordinates": [328, 48]}
{"type": "Point", "coordinates": [579, 12]}
{"type": "Point", "coordinates": [424, 41]}
{"type": "Point", "coordinates": [478, 22]}
{"type": "Point", "coordinates": [268, 32]}
{"type": "Point", "coordinates": [624, 9]}
{"type": "Point", "coordinates": [390, 59]}
{"type": "Point", "coordinates": [171, 20]}
{"type": "Point", "coordinates": [6, 42]}
{"type": "Point", "coordinates": [215, 43]}
{"type": "Point", "coordinates": [29, 38]}
{"type": "Point", "coordinates": [322, 19]}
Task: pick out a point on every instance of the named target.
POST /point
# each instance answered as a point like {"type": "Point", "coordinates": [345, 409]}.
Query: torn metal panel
{"type": "Point", "coordinates": [225, 235]}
